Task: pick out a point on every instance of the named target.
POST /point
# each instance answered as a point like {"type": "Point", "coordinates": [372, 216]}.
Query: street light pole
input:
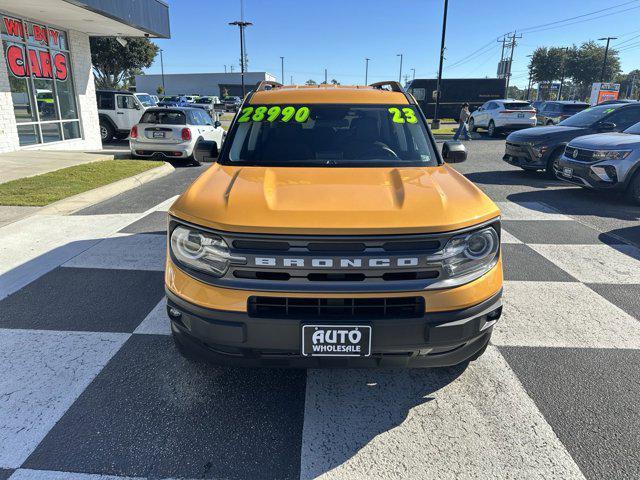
{"type": "Point", "coordinates": [282, 68]}
{"type": "Point", "coordinates": [164, 91]}
{"type": "Point", "coordinates": [366, 71]}
{"type": "Point", "coordinates": [400, 74]}
{"type": "Point", "coordinates": [606, 52]}
{"type": "Point", "coordinates": [435, 123]}
{"type": "Point", "coordinates": [413, 70]}
{"type": "Point", "coordinates": [242, 26]}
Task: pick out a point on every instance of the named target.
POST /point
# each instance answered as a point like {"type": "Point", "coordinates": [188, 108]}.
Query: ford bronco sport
{"type": "Point", "coordinates": [331, 232]}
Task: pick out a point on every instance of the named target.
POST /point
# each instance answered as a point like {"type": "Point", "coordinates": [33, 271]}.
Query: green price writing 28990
{"type": "Point", "coordinates": [273, 113]}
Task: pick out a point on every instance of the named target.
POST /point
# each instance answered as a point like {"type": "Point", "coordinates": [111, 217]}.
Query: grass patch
{"type": "Point", "coordinates": [445, 129]}
{"type": "Point", "coordinates": [53, 186]}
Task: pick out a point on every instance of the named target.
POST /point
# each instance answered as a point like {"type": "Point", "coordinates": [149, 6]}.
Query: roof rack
{"type": "Point", "coordinates": [395, 86]}
{"type": "Point", "coordinates": [267, 83]}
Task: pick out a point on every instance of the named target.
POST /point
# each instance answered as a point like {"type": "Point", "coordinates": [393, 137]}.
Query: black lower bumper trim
{"type": "Point", "coordinates": [234, 338]}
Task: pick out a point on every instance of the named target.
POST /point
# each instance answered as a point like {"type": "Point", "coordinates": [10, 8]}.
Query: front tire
{"type": "Point", "coordinates": [491, 129]}
{"type": "Point", "coordinates": [554, 158]}
{"type": "Point", "coordinates": [633, 190]}
{"type": "Point", "coordinates": [106, 132]}
{"type": "Point", "coordinates": [472, 125]}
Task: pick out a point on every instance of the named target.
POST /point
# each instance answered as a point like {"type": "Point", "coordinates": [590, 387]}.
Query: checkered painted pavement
{"type": "Point", "coordinates": [91, 386]}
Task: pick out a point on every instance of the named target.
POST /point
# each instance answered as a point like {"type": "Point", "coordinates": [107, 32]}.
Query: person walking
{"type": "Point", "coordinates": [464, 118]}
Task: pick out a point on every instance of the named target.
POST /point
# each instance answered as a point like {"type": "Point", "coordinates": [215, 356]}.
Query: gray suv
{"type": "Point", "coordinates": [607, 161]}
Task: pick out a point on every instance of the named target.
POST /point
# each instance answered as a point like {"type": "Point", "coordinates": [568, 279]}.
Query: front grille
{"type": "Point", "coordinates": [579, 154]}
{"type": "Point", "coordinates": [332, 308]}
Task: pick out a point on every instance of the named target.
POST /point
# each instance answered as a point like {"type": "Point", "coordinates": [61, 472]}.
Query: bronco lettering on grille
{"type": "Point", "coordinates": [336, 262]}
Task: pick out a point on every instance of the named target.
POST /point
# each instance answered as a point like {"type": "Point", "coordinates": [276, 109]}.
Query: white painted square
{"type": "Point", "coordinates": [562, 314]}
{"type": "Point", "coordinates": [24, 474]}
{"type": "Point", "coordinates": [595, 263]}
{"type": "Point", "coordinates": [428, 424]}
{"type": "Point", "coordinates": [506, 237]}
{"type": "Point", "coordinates": [41, 375]}
{"type": "Point", "coordinates": [157, 322]}
{"type": "Point", "coordinates": [529, 211]}
{"type": "Point", "coordinates": [126, 252]}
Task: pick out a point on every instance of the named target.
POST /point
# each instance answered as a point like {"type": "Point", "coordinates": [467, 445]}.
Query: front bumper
{"type": "Point", "coordinates": [234, 338]}
{"type": "Point", "coordinates": [524, 156]}
{"type": "Point", "coordinates": [582, 175]}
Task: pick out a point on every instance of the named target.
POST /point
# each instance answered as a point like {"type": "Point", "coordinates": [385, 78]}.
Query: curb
{"type": "Point", "coordinates": [97, 195]}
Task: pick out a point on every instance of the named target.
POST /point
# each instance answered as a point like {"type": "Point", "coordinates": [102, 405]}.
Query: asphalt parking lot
{"type": "Point", "coordinates": [96, 390]}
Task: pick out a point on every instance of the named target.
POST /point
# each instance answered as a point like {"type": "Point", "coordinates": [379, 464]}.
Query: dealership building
{"type": "Point", "coordinates": [217, 84]}
{"type": "Point", "coordinates": [47, 92]}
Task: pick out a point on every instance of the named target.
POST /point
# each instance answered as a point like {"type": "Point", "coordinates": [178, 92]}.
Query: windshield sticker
{"type": "Point", "coordinates": [609, 110]}
{"type": "Point", "coordinates": [401, 116]}
{"type": "Point", "coordinates": [271, 114]}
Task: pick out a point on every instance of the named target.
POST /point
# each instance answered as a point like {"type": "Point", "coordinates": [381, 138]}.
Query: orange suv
{"type": "Point", "coordinates": [331, 232]}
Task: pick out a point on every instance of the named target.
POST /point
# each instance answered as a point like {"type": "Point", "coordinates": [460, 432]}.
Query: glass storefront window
{"type": "Point", "coordinates": [41, 81]}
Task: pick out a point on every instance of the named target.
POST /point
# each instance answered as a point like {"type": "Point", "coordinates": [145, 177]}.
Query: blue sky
{"type": "Point", "coordinates": [339, 34]}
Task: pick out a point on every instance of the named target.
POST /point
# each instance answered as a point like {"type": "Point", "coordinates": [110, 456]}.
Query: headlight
{"type": "Point", "coordinates": [610, 154]}
{"type": "Point", "coordinates": [200, 250]}
{"type": "Point", "coordinates": [469, 253]}
{"type": "Point", "coordinates": [539, 150]}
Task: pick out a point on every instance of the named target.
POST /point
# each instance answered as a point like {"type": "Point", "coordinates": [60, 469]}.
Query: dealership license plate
{"type": "Point", "coordinates": [158, 134]}
{"type": "Point", "coordinates": [521, 115]}
{"type": "Point", "coordinates": [336, 340]}
{"type": "Point", "coordinates": [567, 172]}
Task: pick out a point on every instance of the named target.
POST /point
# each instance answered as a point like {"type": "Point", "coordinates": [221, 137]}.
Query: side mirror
{"type": "Point", "coordinates": [606, 126]}
{"type": "Point", "coordinates": [217, 124]}
{"type": "Point", "coordinates": [137, 106]}
{"type": "Point", "coordinates": [205, 151]}
{"type": "Point", "coordinates": [454, 152]}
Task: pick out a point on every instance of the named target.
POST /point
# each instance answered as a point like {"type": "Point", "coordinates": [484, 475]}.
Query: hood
{"type": "Point", "coordinates": [606, 141]}
{"type": "Point", "coordinates": [333, 200]}
{"type": "Point", "coordinates": [540, 134]}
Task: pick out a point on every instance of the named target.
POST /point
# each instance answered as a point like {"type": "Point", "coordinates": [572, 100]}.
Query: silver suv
{"type": "Point", "coordinates": [605, 161]}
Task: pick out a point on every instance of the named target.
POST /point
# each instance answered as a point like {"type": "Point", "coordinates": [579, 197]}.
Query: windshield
{"type": "Point", "coordinates": [164, 117]}
{"type": "Point", "coordinates": [146, 100]}
{"type": "Point", "coordinates": [204, 100]}
{"type": "Point", "coordinates": [634, 129]}
{"type": "Point", "coordinates": [331, 135]}
{"type": "Point", "coordinates": [588, 117]}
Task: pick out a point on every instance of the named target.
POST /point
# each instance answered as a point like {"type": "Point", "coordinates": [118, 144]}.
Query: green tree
{"type": "Point", "coordinates": [584, 66]}
{"type": "Point", "coordinates": [335, 82]}
{"type": "Point", "coordinates": [516, 93]}
{"type": "Point", "coordinates": [112, 62]}
{"type": "Point", "coordinates": [160, 90]}
{"type": "Point", "coordinates": [310, 82]}
{"type": "Point", "coordinates": [629, 83]}
{"type": "Point", "coordinates": [546, 64]}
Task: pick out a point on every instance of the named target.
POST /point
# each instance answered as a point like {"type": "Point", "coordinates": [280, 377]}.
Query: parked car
{"type": "Point", "coordinates": [539, 148]}
{"type": "Point", "coordinates": [174, 101]}
{"type": "Point", "coordinates": [207, 103]}
{"type": "Point", "coordinates": [536, 104]}
{"type": "Point", "coordinates": [118, 111]}
{"type": "Point", "coordinates": [553, 112]}
{"type": "Point", "coordinates": [191, 98]}
{"type": "Point", "coordinates": [611, 102]}
{"type": "Point", "coordinates": [155, 98]}
{"type": "Point", "coordinates": [173, 133]}
{"type": "Point", "coordinates": [146, 99]}
{"type": "Point", "coordinates": [606, 161]}
{"type": "Point", "coordinates": [503, 115]}
{"type": "Point", "coordinates": [318, 261]}
{"type": "Point", "coordinates": [231, 104]}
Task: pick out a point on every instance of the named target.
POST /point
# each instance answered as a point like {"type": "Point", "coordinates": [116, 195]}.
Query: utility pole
{"type": "Point", "coordinates": [435, 123]}
{"type": "Point", "coordinates": [231, 68]}
{"type": "Point", "coordinates": [501, 64]}
{"type": "Point", "coordinates": [164, 91]}
{"type": "Point", "coordinates": [512, 45]}
{"type": "Point", "coordinates": [242, 26]}
{"type": "Point", "coordinates": [225, 69]}
{"type": "Point", "coordinates": [282, 68]}
{"type": "Point", "coordinates": [325, 76]}
{"type": "Point", "coordinates": [632, 86]}
{"type": "Point", "coordinates": [406, 78]}
{"type": "Point", "coordinates": [291, 83]}
{"type": "Point", "coordinates": [366, 71]}
{"type": "Point", "coordinates": [606, 52]}
{"type": "Point", "coordinates": [413, 70]}
{"type": "Point", "coordinates": [564, 54]}
{"type": "Point", "coordinates": [400, 74]}
{"type": "Point", "coordinates": [530, 72]}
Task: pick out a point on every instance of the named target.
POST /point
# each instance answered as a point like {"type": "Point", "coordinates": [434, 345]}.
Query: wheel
{"type": "Point", "coordinates": [472, 125]}
{"type": "Point", "coordinates": [191, 159]}
{"type": "Point", "coordinates": [633, 190]}
{"type": "Point", "coordinates": [554, 158]}
{"type": "Point", "coordinates": [106, 132]}
{"type": "Point", "coordinates": [491, 129]}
